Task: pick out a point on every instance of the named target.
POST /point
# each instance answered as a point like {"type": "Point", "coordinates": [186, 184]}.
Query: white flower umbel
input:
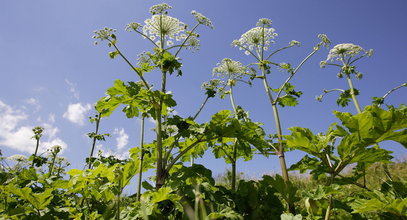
{"type": "Point", "coordinates": [345, 50]}
{"type": "Point", "coordinates": [134, 26]}
{"type": "Point", "coordinates": [202, 19]}
{"type": "Point", "coordinates": [18, 158]}
{"type": "Point", "coordinates": [258, 39]}
{"type": "Point", "coordinates": [163, 27]}
{"type": "Point", "coordinates": [159, 9]}
{"type": "Point", "coordinates": [103, 34]}
{"type": "Point", "coordinates": [229, 68]}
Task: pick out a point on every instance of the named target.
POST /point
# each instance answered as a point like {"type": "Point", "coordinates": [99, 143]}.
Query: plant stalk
{"type": "Point", "coordinates": [278, 128]}
{"type": "Point", "coordinates": [234, 159]}
{"type": "Point", "coordinates": [352, 92]}
{"type": "Point", "coordinates": [36, 150]}
{"type": "Point", "coordinates": [141, 159]}
{"type": "Point", "coordinates": [94, 139]}
{"type": "Point", "coordinates": [160, 173]}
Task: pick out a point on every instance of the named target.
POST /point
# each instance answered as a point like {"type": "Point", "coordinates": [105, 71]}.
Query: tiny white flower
{"type": "Point", "coordinates": [170, 43]}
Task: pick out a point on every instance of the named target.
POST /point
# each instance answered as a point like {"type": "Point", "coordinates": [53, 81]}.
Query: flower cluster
{"type": "Point", "coordinates": [256, 39]}
{"type": "Point", "coordinates": [159, 9]}
{"type": "Point", "coordinates": [229, 67]}
{"type": "Point", "coordinates": [202, 19]}
{"type": "Point", "coordinates": [103, 34]}
{"type": "Point", "coordinates": [294, 43]}
{"type": "Point", "coordinates": [345, 50]}
{"type": "Point", "coordinates": [134, 26]}
{"type": "Point", "coordinates": [264, 22]}
{"type": "Point", "coordinates": [18, 158]}
{"type": "Point", "coordinates": [193, 43]}
{"type": "Point", "coordinates": [163, 26]}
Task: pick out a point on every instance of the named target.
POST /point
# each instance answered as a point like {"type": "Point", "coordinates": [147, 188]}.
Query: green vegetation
{"type": "Point", "coordinates": [349, 176]}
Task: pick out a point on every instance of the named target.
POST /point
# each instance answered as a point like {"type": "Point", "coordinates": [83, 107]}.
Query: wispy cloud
{"type": "Point", "coordinates": [72, 89]}
{"type": "Point", "coordinates": [34, 103]}
{"type": "Point", "coordinates": [76, 113]}
{"type": "Point", "coordinates": [122, 138]}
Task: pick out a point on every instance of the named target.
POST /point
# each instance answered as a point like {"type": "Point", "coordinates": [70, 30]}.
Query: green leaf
{"type": "Point", "coordinates": [287, 100]}
{"type": "Point", "coordinates": [379, 202]}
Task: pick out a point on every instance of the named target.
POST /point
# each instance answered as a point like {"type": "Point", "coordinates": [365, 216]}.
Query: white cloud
{"type": "Point", "coordinates": [76, 113]}
{"type": "Point", "coordinates": [48, 144]}
{"type": "Point", "coordinates": [16, 136]}
{"type": "Point", "coordinates": [107, 152]}
{"type": "Point", "coordinates": [51, 118]}
{"type": "Point", "coordinates": [72, 89]}
{"type": "Point", "coordinates": [122, 138]}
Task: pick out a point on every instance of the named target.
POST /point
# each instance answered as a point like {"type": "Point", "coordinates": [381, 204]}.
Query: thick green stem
{"type": "Point", "coordinates": [160, 173]}
{"type": "Point", "coordinates": [281, 156]}
{"type": "Point", "coordinates": [118, 204]}
{"type": "Point", "coordinates": [328, 209]}
{"type": "Point", "coordinates": [278, 128]}
{"type": "Point", "coordinates": [36, 150]}
{"type": "Point", "coordinates": [160, 169]}
{"type": "Point", "coordinates": [52, 164]}
{"type": "Point", "coordinates": [234, 159]}
{"type": "Point", "coordinates": [141, 159]}
{"type": "Point", "coordinates": [355, 101]}
{"type": "Point", "coordinates": [352, 92]}
{"type": "Point", "coordinates": [94, 139]}
{"type": "Point", "coordinates": [233, 181]}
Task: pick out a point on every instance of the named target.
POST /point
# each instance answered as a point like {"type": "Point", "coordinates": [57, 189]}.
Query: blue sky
{"type": "Point", "coordinates": [52, 74]}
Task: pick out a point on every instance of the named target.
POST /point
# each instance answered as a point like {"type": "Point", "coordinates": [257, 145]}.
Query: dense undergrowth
{"type": "Point", "coordinates": [349, 176]}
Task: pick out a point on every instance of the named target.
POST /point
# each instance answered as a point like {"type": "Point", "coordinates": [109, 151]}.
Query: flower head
{"type": "Point", "coordinates": [133, 26]}
{"type": "Point", "coordinates": [344, 50]}
{"type": "Point", "coordinates": [229, 68]}
{"type": "Point", "coordinates": [294, 43]}
{"type": "Point", "coordinates": [17, 158]}
{"type": "Point", "coordinates": [264, 22]}
{"type": "Point", "coordinates": [159, 9]}
{"type": "Point", "coordinates": [325, 40]}
{"type": "Point", "coordinates": [193, 43]}
{"type": "Point", "coordinates": [202, 19]}
{"type": "Point", "coordinates": [256, 39]}
{"type": "Point", "coordinates": [163, 26]}
{"type": "Point", "coordinates": [103, 34]}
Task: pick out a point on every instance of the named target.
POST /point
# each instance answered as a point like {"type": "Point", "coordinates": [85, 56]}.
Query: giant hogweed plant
{"type": "Point", "coordinates": [177, 138]}
{"type": "Point", "coordinates": [355, 141]}
{"type": "Point", "coordinates": [256, 43]}
{"type": "Point", "coordinates": [229, 73]}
